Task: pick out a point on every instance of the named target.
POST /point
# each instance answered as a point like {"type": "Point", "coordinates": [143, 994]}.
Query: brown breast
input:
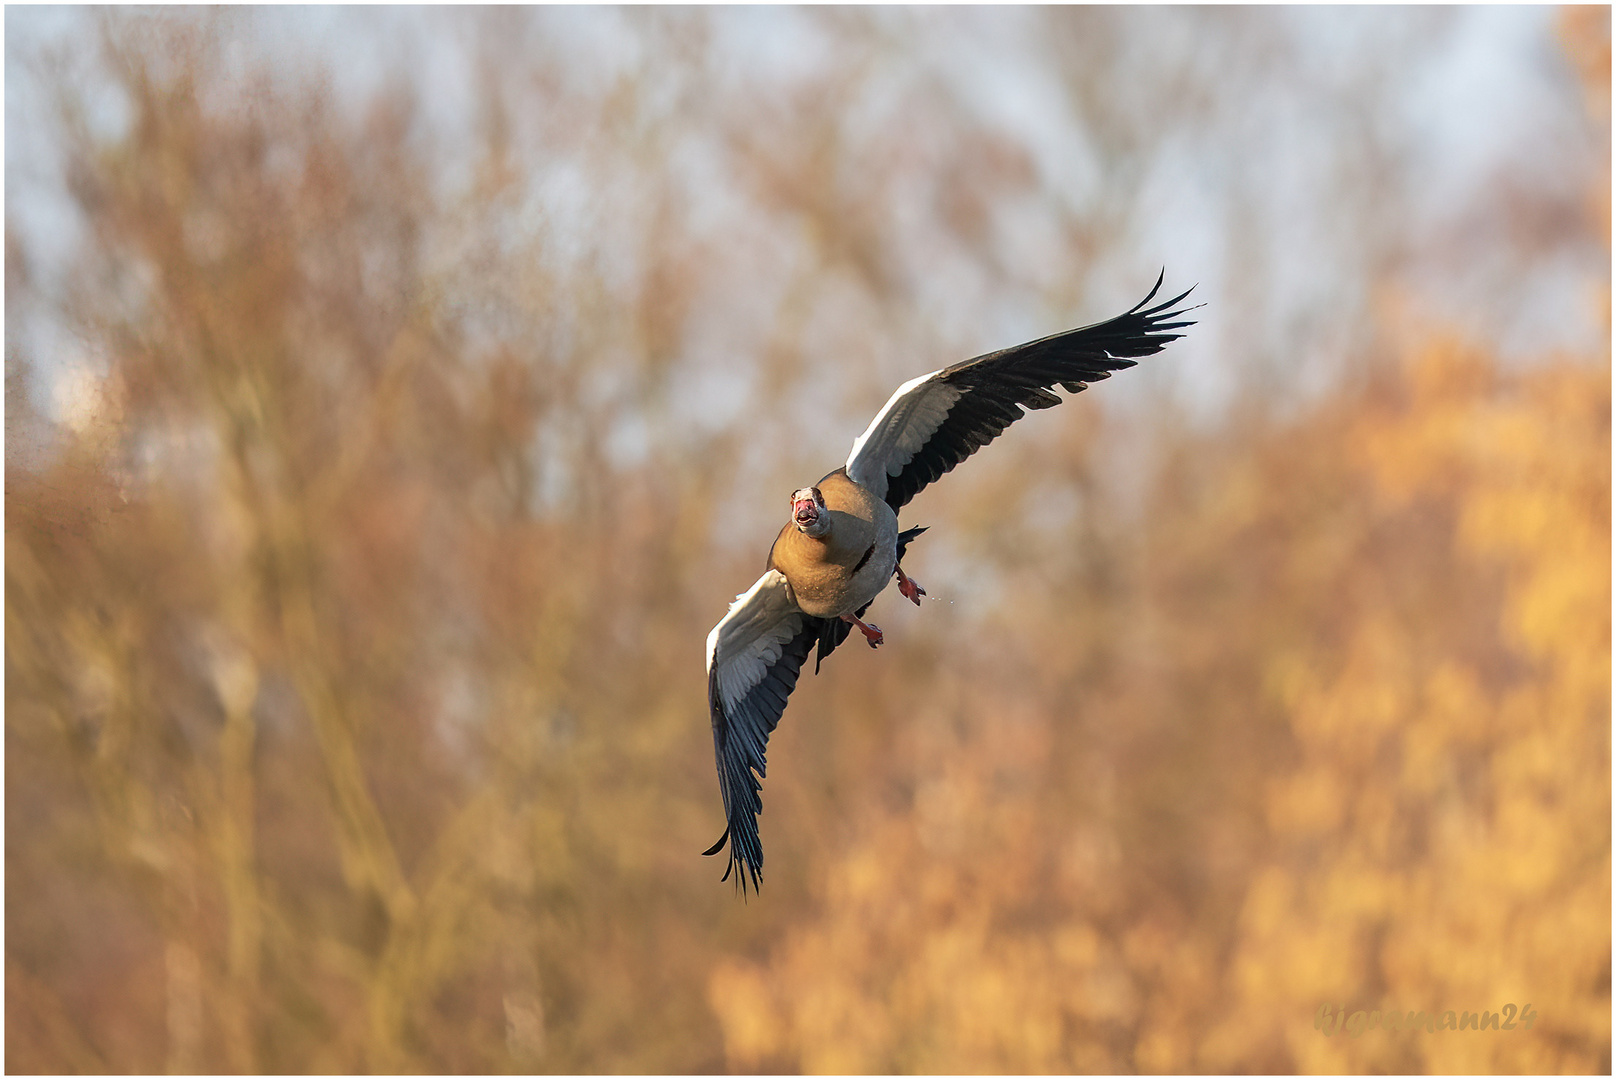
{"type": "Point", "coordinates": [820, 571]}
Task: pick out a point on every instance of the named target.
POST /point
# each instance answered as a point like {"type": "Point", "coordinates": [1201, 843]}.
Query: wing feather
{"type": "Point", "coordinates": [754, 656]}
{"type": "Point", "coordinates": [933, 423]}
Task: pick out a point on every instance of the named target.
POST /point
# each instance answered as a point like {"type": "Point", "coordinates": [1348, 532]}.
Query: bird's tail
{"type": "Point", "coordinates": [906, 536]}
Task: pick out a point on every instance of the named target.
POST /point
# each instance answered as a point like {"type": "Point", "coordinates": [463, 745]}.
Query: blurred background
{"type": "Point", "coordinates": [395, 398]}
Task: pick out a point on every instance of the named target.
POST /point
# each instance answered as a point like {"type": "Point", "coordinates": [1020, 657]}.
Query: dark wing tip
{"type": "Point", "coordinates": [1161, 277]}
{"type": "Point", "coordinates": [1165, 304]}
{"type": "Point", "coordinates": [1160, 310]}
{"type": "Point", "coordinates": [738, 858]}
{"type": "Point", "coordinates": [722, 840]}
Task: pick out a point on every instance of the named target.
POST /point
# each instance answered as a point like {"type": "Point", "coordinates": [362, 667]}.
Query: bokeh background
{"type": "Point", "coordinates": [394, 399]}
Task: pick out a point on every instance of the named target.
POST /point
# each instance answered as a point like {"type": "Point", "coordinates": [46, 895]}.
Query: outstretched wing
{"type": "Point", "coordinates": [754, 656]}
{"type": "Point", "coordinates": [933, 423]}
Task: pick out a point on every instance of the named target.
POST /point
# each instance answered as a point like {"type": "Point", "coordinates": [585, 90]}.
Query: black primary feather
{"type": "Point", "coordinates": [994, 388]}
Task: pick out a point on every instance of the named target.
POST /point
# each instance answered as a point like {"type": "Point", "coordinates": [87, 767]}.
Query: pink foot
{"type": "Point", "coordinates": [871, 631]}
{"type": "Point", "coordinates": [910, 587]}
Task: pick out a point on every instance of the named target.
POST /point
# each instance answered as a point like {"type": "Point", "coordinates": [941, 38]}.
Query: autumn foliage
{"type": "Point", "coordinates": [355, 594]}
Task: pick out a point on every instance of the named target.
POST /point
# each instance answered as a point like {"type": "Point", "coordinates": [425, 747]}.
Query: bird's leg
{"type": "Point", "coordinates": [909, 586]}
{"type": "Point", "coordinates": [871, 631]}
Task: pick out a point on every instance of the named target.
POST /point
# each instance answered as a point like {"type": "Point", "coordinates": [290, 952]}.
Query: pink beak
{"type": "Point", "coordinates": [804, 511]}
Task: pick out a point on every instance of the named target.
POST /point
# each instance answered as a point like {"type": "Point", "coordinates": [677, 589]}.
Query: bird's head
{"type": "Point", "coordinates": [808, 512]}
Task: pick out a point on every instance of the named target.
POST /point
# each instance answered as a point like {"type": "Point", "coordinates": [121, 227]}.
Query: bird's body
{"type": "Point", "coordinates": [842, 545]}
{"type": "Point", "coordinates": [841, 572]}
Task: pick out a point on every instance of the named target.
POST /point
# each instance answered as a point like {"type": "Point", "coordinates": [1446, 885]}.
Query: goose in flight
{"type": "Point", "coordinates": [842, 546]}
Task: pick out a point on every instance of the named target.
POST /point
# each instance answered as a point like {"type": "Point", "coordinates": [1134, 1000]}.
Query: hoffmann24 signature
{"type": "Point", "coordinates": [1329, 1021]}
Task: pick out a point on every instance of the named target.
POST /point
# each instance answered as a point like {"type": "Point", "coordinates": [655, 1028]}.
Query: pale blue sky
{"type": "Point", "coordinates": [1475, 98]}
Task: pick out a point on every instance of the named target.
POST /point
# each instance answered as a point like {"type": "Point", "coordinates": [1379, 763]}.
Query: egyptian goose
{"type": "Point", "coordinates": [842, 544]}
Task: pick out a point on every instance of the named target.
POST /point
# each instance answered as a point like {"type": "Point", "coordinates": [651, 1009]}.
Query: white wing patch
{"type": "Point", "coordinates": [748, 640]}
{"type": "Point", "coordinates": [910, 417]}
